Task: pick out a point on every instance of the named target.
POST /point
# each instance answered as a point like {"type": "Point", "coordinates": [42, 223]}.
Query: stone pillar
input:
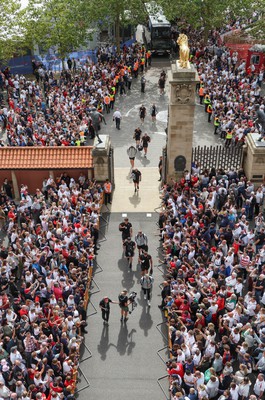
{"type": "Point", "coordinates": [181, 118]}
{"type": "Point", "coordinates": [100, 155]}
{"type": "Point", "coordinates": [254, 159]}
{"type": "Point", "coordinates": [15, 185]}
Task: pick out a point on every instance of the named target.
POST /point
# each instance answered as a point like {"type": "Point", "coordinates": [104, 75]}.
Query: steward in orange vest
{"type": "Point", "coordinates": [209, 111]}
{"type": "Point", "coordinates": [201, 94]}
{"type": "Point", "coordinates": [135, 69]}
{"type": "Point", "coordinates": [107, 103]}
{"type": "Point", "coordinates": [148, 58]}
{"type": "Point", "coordinates": [107, 191]}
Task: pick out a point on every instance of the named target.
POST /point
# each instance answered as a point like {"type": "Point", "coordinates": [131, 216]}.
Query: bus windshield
{"type": "Point", "coordinates": [161, 32]}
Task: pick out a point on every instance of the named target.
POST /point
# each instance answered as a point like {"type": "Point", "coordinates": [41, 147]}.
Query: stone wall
{"type": "Point", "coordinates": [254, 159]}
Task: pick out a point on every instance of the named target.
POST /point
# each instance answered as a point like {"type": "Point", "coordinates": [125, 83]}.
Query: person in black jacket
{"type": "Point", "coordinates": [104, 304]}
{"type": "Point", "coordinates": [164, 293]}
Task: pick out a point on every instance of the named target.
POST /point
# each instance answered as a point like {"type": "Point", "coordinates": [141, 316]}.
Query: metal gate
{"type": "Point", "coordinates": [164, 164]}
{"type": "Point", "coordinates": [111, 166]}
{"type": "Point", "coordinates": [218, 157]}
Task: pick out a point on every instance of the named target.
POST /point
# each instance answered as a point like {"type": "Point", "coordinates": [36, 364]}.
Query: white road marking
{"type": "Point", "coordinates": [162, 116]}
{"type": "Point", "coordinates": [161, 133]}
{"type": "Point", "coordinates": [132, 109]}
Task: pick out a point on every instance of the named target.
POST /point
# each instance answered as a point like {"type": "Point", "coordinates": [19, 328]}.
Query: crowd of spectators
{"type": "Point", "coordinates": [232, 91]}
{"type": "Point", "coordinates": [58, 111]}
{"type": "Point", "coordinates": [52, 240]}
{"type": "Point", "coordinates": [213, 238]}
{"type": "Point", "coordinates": [212, 232]}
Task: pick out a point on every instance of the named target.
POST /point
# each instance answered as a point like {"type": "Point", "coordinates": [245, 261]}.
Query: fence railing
{"type": "Point", "coordinates": [218, 157]}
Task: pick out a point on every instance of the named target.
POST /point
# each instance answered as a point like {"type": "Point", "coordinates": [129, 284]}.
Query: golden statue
{"type": "Point", "coordinates": [184, 51]}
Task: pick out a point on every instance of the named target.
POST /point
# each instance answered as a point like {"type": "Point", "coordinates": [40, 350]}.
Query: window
{"type": "Point", "coordinates": [255, 59]}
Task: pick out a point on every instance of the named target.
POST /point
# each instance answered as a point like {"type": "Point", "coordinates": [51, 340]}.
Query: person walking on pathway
{"type": "Point", "coordinates": [104, 304]}
{"type": "Point", "coordinates": [146, 262]}
{"type": "Point", "coordinates": [129, 246]}
{"type": "Point", "coordinates": [129, 81]}
{"type": "Point", "coordinates": [107, 191]}
{"type": "Point", "coordinates": [137, 137]}
{"type": "Point", "coordinates": [162, 83]}
{"type": "Point", "coordinates": [153, 113]}
{"type": "Point", "coordinates": [117, 118]}
{"type": "Point", "coordinates": [125, 228]}
{"type": "Point", "coordinates": [143, 82]}
{"type": "Point", "coordinates": [142, 242]}
{"type": "Point", "coordinates": [124, 305]}
{"type": "Point", "coordinates": [142, 113]}
{"type": "Point", "coordinates": [136, 177]}
{"type": "Point", "coordinates": [146, 282]}
{"type": "Point", "coordinates": [145, 140]}
{"type": "Point", "coordinates": [132, 151]}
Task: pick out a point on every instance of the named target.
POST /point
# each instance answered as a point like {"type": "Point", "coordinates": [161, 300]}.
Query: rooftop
{"type": "Point", "coordinates": [46, 157]}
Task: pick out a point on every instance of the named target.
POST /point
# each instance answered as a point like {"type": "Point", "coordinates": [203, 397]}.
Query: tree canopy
{"type": "Point", "coordinates": [9, 28]}
{"type": "Point", "coordinates": [212, 14]}
{"type": "Point", "coordinates": [66, 23]}
{"type": "Point", "coordinates": [59, 23]}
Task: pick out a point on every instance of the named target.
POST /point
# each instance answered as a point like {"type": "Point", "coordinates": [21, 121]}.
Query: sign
{"type": "Point", "coordinates": [180, 163]}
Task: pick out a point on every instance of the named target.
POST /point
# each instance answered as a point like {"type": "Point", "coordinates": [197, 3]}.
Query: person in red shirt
{"type": "Point", "coordinates": [11, 214]}
{"type": "Point", "coordinates": [57, 291]}
{"type": "Point", "coordinates": [200, 321]}
{"type": "Point", "coordinates": [176, 369]}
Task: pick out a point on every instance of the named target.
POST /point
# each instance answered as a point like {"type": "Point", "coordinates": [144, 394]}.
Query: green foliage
{"type": "Point", "coordinates": [212, 14]}
{"type": "Point", "coordinates": [119, 13]}
{"type": "Point", "coordinates": [257, 26]}
{"type": "Point", "coordinates": [9, 32]}
{"type": "Point", "coordinates": [59, 23]}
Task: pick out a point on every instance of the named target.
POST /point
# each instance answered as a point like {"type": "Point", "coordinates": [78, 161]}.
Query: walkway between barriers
{"type": "Point", "coordinates": [126, 358]}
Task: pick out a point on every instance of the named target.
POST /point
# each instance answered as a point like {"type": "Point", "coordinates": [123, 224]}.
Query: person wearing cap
{"type": "Point", "coordinates": [124, 305]}
{"type": "Point", "coordinates": [104, 305]}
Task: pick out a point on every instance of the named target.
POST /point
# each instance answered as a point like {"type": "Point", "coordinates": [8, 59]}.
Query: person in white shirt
{"type": "Point", "coordinates": [212, 387]}
{"type": "Point", "coordinates": [244, 387]}
{"type": "Point", "coordinates": [231, 280]}
{"type": "Point", "coordinates": [259, 386]}
{"type": "Point", "coordinates": [210, 350]}
{"type": "Point", "coordinates": [117, 118]}
{"type": "Point", "coordinates": [234, 391]}
{"type": "Point", "coordinates": [261, 363]}
{"type": "Point", "coordinates": [197, 357]}
{"type": "Point", "coordinates": [180, 356]}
